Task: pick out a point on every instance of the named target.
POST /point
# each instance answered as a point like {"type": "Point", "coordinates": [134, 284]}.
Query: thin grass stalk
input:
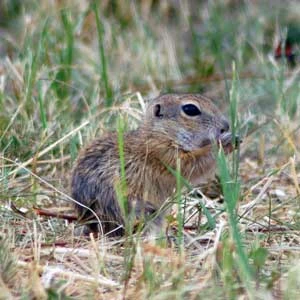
{"type": "Point", "coordinates": [121, 190]}
{"type": "Point", "coordinates": [235, 124]}
{"type": "Point", "coordinates": [34, 63]}
{"type": "Point", "coordinates": [180, 216]}
{"type": "Point", "coordinates": [217, 38]}
{"type": "Point", "coordinates": [42, 107]}
{"type": "Point", "coordinates": [210, 219]}
{"type": "Point", "coordinates": [231, 190]}
{"type": "Point", "coordinates": [102, 56]}
{"type": "Point", "coordinates": [68, 53]}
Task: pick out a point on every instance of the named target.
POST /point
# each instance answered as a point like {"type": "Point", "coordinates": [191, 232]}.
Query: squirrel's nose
{"type": "Point", "coordinates": [224, 127]}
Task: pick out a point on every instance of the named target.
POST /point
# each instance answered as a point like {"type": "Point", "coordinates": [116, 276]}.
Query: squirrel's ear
{"type": "Point", "coordinates": [157, 111]}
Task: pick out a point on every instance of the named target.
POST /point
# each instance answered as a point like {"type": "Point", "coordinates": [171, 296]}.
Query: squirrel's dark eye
{"type": "Point", "coordinates": [157, 111]}
{"type": "Point", "coordinates": [191, 110]}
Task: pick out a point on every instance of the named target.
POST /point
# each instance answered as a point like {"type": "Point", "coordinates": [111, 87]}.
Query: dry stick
{"type": "Point", "coordinates": [43, 162]}
{"type": "Point", "coordinates": [82, 253]}
{"type": "Point", "coordinates": [272, 228]}
{"type": "Point", "coordinates": [247, 207]}
{"type": "Point", "coordinates": [79, 262]}
{"type": "Point", "coordinates": [71, 275]}
{"type": "Point", "coordinates": [48, 213]}
{"type": "Point", "coordinates": [283, 248]}
{"type": "Point", "coordinates": [265, 178]}
{"type": "Point", "coordinates": [47, 245]}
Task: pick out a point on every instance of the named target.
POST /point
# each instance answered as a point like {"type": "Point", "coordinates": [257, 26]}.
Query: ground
{"type": "Point", "coordinates": [70, 69]}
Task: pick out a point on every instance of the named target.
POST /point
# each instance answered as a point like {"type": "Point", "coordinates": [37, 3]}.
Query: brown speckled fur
{"type": "Point", "coordinates": [156, 143]}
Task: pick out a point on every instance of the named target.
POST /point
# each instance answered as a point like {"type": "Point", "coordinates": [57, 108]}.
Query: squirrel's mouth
{"type": "Point", "coordinates": [228, 143]}
{"type": "Point", "coordinates": [225, 140]}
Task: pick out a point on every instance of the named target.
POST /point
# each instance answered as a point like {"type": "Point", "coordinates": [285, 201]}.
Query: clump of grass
{"type": "Point", "coordinates": [62, 81]}
{"type": "Point", "coordinates": [8, 268]}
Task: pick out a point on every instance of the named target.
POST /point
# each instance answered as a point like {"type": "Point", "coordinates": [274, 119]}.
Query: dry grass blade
{"type": "Point", "coordinates": [53, 271]}
{"type": "Point", "coordinates": [47, 149]}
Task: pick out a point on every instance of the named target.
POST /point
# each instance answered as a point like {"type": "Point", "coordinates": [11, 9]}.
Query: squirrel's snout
{"type": "Point", "coordinates": [223, 128]}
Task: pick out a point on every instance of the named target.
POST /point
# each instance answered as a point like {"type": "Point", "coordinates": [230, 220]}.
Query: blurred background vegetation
{"type": "Point", "coordinates": [65, 61]}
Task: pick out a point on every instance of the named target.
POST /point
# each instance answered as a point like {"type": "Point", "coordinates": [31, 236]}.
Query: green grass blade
{"type": "Point", "coordinates": [180, 217]}
{"type": "Point", "coordinates": [122, 189]}
{"type": "Point", "coordinates": [103, 59]}
{"type": "Point", "coordinates": [42, 107]}
{"type": "Point", "coordinates": [231, 190]}
{"type": "Point", "coordinates": [210, 219]}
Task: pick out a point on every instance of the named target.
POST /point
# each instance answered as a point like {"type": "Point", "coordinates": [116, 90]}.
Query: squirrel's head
{"type": "Point", "coordinates": [189, 121]}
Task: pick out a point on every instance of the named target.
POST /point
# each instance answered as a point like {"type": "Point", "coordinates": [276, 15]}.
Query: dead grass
{"type": "Point", "coordinates": [47, 113]}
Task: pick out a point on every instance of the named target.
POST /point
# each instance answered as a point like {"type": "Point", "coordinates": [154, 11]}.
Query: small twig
{"type": "Point", "coordinates": [47, 213]}
{"type": "Point", "coordinates": [247, 207]}
{"type": "Point", "coordinates": [48, 245]}
{"type": "Point", "coordinates": [42, 162]}
{"type": "Point", "coordinates": [70, 274]}
{"type": "Point", "coordinates": [269, 229]}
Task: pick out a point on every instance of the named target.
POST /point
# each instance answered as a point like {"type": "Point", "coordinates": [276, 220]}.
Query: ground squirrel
{"type": "Point", "coordinates": [174, 125]}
